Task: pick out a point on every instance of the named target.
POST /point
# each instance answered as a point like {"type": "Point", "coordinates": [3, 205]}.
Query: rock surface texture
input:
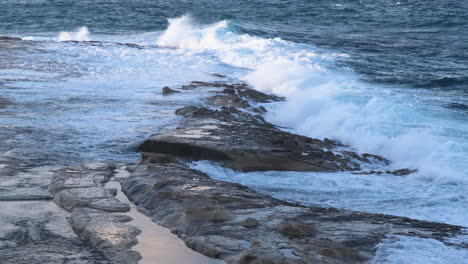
{"type": "Point", "coordinates": [219, 219]}
{"type": "Point", "coordinates": [33, 229]}
{"type": "Point", "coordinates": [94, 210]}
{"type": "Point", "coordinates": [232, 222]}
{"type": "Point", "coordinates": [233, 132]}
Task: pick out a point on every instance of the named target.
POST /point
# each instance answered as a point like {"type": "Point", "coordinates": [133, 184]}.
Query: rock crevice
{"type": "Point", "coordinates": [94, 210]}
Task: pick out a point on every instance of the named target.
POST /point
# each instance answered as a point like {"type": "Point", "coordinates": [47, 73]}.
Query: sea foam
{"type": "Point", "coordinates": [324, 100]}
{"type": "Point", "coordinates": [82, 34]}
{"type": "Point", "coordinates": [403, 249]}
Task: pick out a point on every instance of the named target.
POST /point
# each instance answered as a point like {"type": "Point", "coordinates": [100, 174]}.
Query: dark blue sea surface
{"type": "Point", "coordinates": [416, 43]}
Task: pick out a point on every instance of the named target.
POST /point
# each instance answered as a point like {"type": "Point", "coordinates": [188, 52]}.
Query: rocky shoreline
{"type": "Point", "coordinates": [234, 223]}
{"type": "Point", "coordinates": [221, 220]}
{"type": "Point", "coordinates": [94, 210]}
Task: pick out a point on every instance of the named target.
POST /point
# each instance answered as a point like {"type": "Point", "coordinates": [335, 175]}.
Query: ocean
{"type": "Point", "coordinates": [384, 77]}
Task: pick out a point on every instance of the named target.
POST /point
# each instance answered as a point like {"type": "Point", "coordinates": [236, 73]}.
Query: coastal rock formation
{"type": "Point", "coordinates": [226, 220]}
{"type": "Point", "coordinates": [167, 90]}
{"type": "Point", "coordinates": [33, 229]}
{"type": "Point", "coordinates": [234, 223]}
{"type": "Point", "coordinates": [80, 190]}
{"type": "Point", "coordinates": [233, 133]}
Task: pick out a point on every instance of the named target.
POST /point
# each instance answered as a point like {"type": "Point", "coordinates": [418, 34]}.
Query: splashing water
{"type": "Point", "coordinates": [324, 100]}
{"type": "Point", "coordinates": [82, 34]}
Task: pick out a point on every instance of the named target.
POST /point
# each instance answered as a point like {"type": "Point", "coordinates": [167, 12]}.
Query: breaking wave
{"type": "Point", "coordinates": [324, 100]}
{"type": "Point", "coordinates": [82, 34]}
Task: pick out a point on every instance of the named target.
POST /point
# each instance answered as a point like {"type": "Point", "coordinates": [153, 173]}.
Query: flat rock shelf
{"type": "Point", "coordinates": [102, 216]}
{"type": "Point", "coordinates": [196, 219]}
{"type": "Point", "coordinates": [232, 222]}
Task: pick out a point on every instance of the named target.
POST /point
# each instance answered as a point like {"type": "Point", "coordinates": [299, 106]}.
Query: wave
{"type": "Point", "coordinates": [324, 100]}
{"type": "Point", "coordinates": [82, 34]}
{"type": "Point", "coordinates": [447, 82]}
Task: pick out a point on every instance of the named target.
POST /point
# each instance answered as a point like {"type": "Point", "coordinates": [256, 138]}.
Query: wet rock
{"type": "Point", "coordinates": [167, 90]}
{"type": "Point", "coordinates": [234, 133]}
{"type": "Point", "coordinates": [259, 256]}
{"type": "Point", "coordinates": [296, 229]}
{"type": "Point", "coordinates": [344, 254]}
{"type": "Point", "coordinates": [218, 75]}
{"type": "Point", "coordinates": [256, 96]}
{"type": "Point", "coordinates": [249, 222]}
{"type": "Point", "coordinates": [246, 142]}
{"type": "Point", "coordinates": [210, 213]}
{"type": "Point", "coordinates": [8, 39]}
{"type": "Point", "coordinates": [400, 172]}
{"type": "Point", "coordinates": [228, 101]}
{"type": "Point", "coordinates": [234, 223]}
{"type": "Point", "coordinates": [157, 158]}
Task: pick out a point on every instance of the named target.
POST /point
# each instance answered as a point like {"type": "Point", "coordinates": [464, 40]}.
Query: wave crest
{"type": "Point", "coordinates": [183, 33]}
{"type": "Point", "coordinates": [324, 100]}
{"type": "Point", "coordinates": [82, 34]}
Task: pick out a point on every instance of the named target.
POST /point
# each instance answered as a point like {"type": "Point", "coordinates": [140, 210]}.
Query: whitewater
{"type": "Point", "coordinates": [323, 100]}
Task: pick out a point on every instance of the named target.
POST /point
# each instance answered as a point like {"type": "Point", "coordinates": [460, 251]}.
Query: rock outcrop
{"type": "Point", "coordinates": [234, 133]}
{"type": "Point", "coordinates": [234, 223]}
{"type": "Point", "coordinates": [167, 90]}
{"type": "Point", "coordinates": [33, 229]}
{"type": "Point", "coordinates": [225, 220]}
{"type": "Point", "coordinates": [94, 210]}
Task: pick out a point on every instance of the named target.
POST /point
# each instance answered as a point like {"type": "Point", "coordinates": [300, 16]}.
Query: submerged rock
{"type": "Point", "coordinates": [167, 90]}
{"type": "Point", "coordinates": [218, 75]}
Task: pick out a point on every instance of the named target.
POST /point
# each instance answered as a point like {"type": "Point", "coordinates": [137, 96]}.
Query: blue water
{"type": "Point", "coordinates": [416, 43]}
{"type": "Point", "coordinates": [384, 76]}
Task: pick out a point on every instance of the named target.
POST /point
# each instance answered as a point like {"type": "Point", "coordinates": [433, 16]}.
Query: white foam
{"type": "Point", "coordinates": [82, 34]}
{"type": "Point", "coordinates": [387, 194]}
{"type": "Point", "coordinates": [182, 33]}
{"type": "Point", "coordinates": [327, 101]}
{"type": "Point", "coordinates": [413, 250]}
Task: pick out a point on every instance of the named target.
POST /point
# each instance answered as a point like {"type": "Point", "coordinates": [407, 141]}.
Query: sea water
{"type": "Point", "coordinates": [384, 77]}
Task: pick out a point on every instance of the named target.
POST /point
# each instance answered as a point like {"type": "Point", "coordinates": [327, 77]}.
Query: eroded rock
{"type": "Point", "coordinates": [296, 229]}
{"type": "Point", "coordinates": [232, 222]}
{"type": "Point", "coordinates": [249, 222]}
{"type": "Point", "coordinates": [246, 142]}
{"type": "Point", "coordinates": [80, 190]}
